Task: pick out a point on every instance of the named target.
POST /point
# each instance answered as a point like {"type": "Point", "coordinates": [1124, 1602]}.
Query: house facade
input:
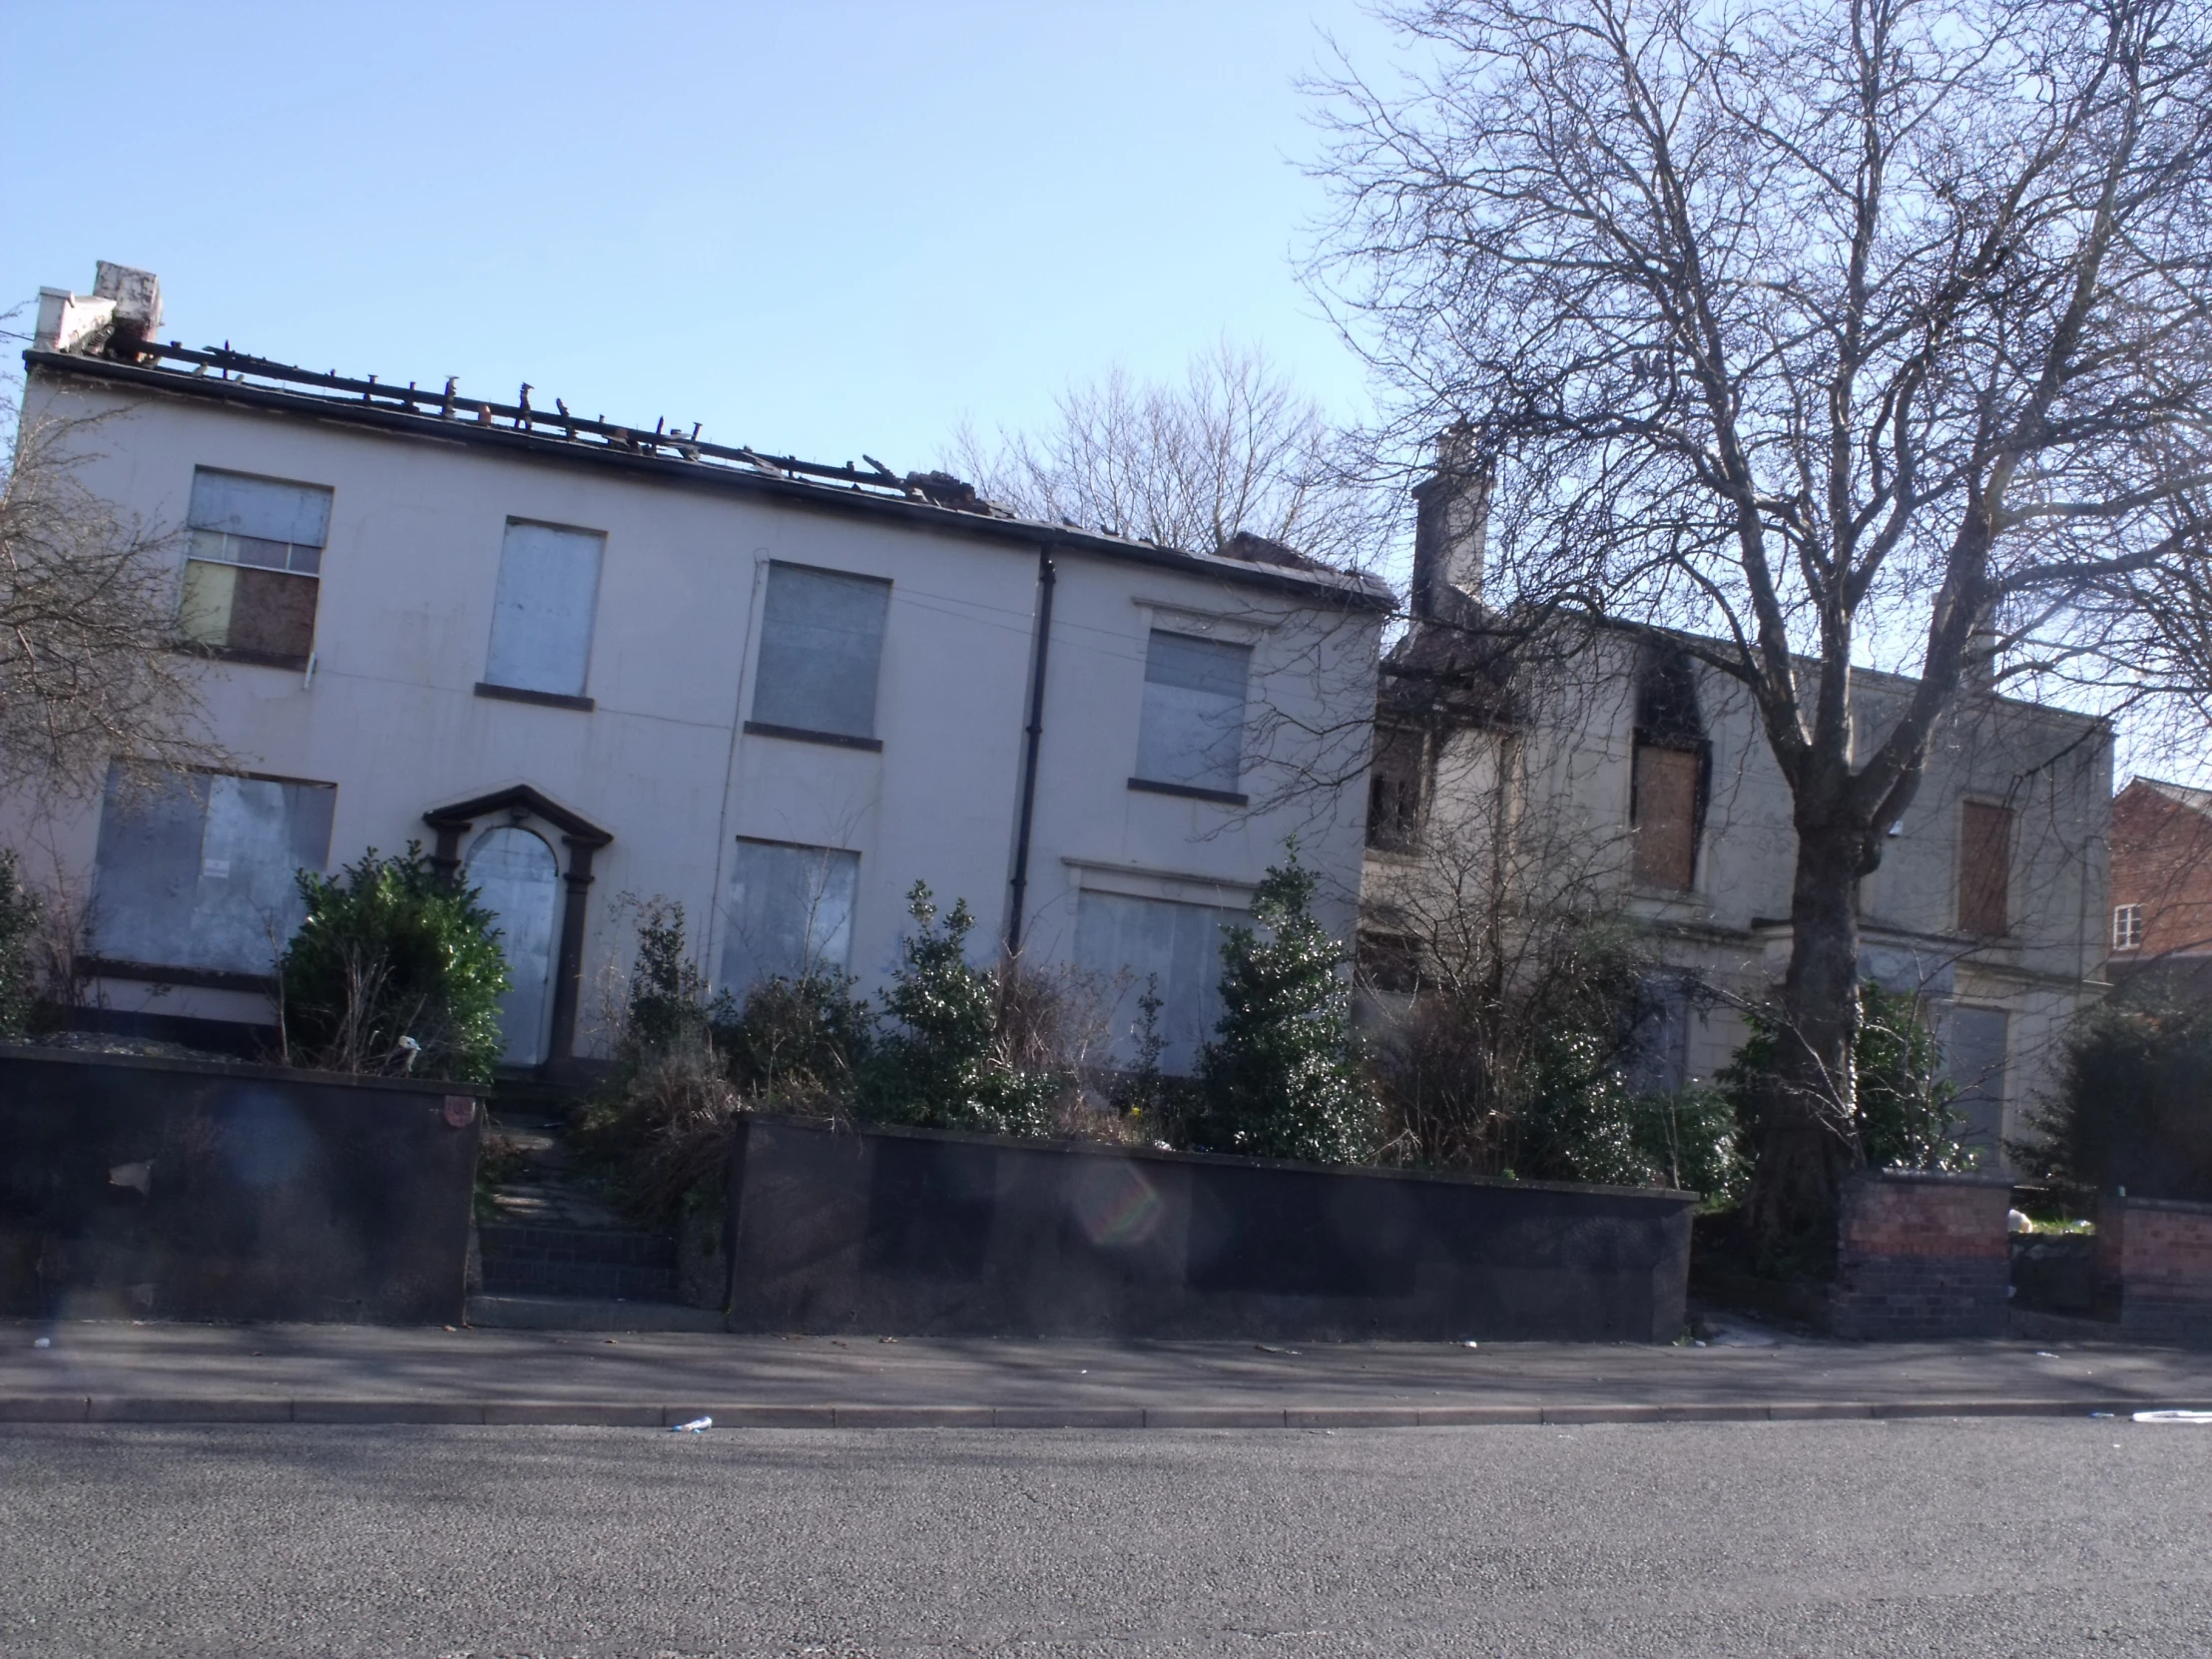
{"type": "Point", "coordinates": [590, 666]}
{"type": "Point", "coordinates": [1591, 770]}
{"type": "Point", "coordinates": [2162, 881]}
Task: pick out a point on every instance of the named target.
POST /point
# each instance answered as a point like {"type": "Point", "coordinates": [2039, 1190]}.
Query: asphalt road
{"type": "Point", "coordinates": [1938, 1537]}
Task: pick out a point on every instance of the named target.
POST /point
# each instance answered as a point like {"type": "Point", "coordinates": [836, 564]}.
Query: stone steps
{"type": "Point", "coordinates": [595, 1263]}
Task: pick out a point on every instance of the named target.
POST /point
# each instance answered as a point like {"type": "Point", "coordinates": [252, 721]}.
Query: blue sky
{"type": "Point", "coordinates": [818, 229]}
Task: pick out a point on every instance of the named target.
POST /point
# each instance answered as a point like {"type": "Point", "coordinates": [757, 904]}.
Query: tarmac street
{"type": "Point", "coordinates": [1935, 1536]}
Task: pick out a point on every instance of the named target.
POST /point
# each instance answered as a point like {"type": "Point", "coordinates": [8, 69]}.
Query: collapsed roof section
{"type": "Point", "coordinates": [89, 339]}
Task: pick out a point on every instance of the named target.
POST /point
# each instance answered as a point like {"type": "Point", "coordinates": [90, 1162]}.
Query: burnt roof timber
{"type": "Point", "coordinates": [381, 405]}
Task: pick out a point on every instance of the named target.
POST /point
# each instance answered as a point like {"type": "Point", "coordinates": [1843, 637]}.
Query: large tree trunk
{"type": "Point", "coordinates": [1806, 1140]}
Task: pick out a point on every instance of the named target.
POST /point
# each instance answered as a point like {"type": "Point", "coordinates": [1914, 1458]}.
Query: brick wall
{"type": "Point", "coordinates": [1921, 1255]}
{"type": "Point", "coordinates": [2162, 861]}
{"type": "Point", "coordinates": [2154, 1260]}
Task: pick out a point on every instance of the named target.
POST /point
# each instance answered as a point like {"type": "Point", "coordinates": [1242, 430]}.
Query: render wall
{"type": "Point", "coordinates": [391, 715]}
{"type": "Point", "coordinates": [1569, 815]}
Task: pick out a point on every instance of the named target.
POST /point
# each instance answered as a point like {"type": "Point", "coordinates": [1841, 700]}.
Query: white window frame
{"type": "Point", "coordinates": [2127, 927]}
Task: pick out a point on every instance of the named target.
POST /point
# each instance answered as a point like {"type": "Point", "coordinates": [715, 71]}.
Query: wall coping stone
{"type": "Point", "coordinates": [1670, 1196]}
{"type": "Point", "coordinates": [1932, 1177]}
{"type": "Point", "coordinates": [245, 1069]}
{"type": "Point", "coordinates": [2180, 1205]}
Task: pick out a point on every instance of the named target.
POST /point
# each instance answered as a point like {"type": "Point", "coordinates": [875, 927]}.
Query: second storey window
{"type": "Point", "coordinates": [1190, 733]}
{"type": "Point", "coordinates": [199, 872]}
{"type": "Point", "coordinates": [2127, 927]}
{"type": "Point", "coordinates": [541, 621]}
{"type": "Point", "coordinates": [254, 566]}
{"type": "Point", "coordinates": [1984, 868]}
{"type": "Point", "coordinates": [1394, 789]}
{"type": "Point", "coordinates": [822, 645]}
{"type": "Point", "coordinates": [1663, 809]}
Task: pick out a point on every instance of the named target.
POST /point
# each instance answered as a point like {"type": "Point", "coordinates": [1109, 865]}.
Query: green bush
{"type": "Point", "coordinates": [396, 969]}
{"type": "Point", "coordinates": [19, 917]}
{"type": "Point", "coordinates": [944, 1065]}
{"type": "Point", "coordinates": [2134, 1102]}
{"type": "Point", "coordinates": [1904, 1118]}
{"type": "Point", "coordinates": [1283, 1075]}
{"type": "Point", "coordinates": [799, 1044]}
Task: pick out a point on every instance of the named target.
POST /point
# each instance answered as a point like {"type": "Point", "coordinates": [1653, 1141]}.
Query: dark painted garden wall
{"type": "Point", "coordinates": [185, 1190]}
{"type": "Point", "coordinates": [908, 1232]}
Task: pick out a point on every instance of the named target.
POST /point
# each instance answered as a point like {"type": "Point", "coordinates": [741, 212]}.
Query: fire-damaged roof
{"type": "Point", "coordinates": [936, 501]}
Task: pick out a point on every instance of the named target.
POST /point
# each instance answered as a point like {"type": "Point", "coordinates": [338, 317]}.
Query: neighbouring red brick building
{"type": "Point", "coordinates": [2161, 878]}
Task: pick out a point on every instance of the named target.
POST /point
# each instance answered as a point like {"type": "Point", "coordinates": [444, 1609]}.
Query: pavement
{"type": "Point", "coordinates": [1969, 1539]}
{"type": "Point", "coordinates": [119, 1371]}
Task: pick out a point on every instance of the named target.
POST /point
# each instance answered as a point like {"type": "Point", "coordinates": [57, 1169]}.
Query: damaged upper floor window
{"type": "Point", "coordinates": [1667, 774]}
{"type": "Point", "coordinates": [254, 566]}
{"type": "Point", "coordinates": [1395, 788]}
{"type": "Point", "coordinates": [543, 609]}
{"type": "Point", "coordinates": [1986, 835]}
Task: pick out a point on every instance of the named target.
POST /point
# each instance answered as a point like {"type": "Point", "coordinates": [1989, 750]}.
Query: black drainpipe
{"type": "Point", "coordinates": [1034, 731]}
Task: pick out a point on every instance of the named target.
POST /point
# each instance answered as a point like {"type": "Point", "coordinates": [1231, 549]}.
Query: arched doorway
{"type": "Point", "coordinates": [520, 881]}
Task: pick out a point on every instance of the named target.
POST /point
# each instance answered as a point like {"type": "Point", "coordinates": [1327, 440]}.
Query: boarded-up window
{"type": "Point", "coordinates": [541, 620]}
{"type": "Point", "coordinates": [822, 644]}
{"type": "Point", "coordinates": [199, 872]}
{"type": "Point", "coordinates": [1129, 945]}
{"type": "Point", "coordinates": [1394, 788]}
{"type": "Point", "coordinates": [1664, 813]}
{"type": "Point", "coordinates": [254, 566]}
{"type": "Point", "coordinates": [1984, 868]}
{"type": "Point", "coordinates": [789, 913]}
{"type": "Point", "coordinates": [1973, 1060]}
{"type": "Point", "coordinates": [1190, 729]}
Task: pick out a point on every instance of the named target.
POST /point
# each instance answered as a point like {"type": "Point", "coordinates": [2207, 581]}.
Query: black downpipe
{"type": "Point", "coordinates": [1034, 732]}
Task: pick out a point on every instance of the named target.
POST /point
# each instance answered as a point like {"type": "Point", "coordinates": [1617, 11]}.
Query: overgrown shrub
{"type": "Point", "coordinates": [1281, 1077]}
{"type": "Point", "coordinates": [19, 921]}
{"type": "Point", "coordinates": [799, 1044]}
{"type": "Point", "coordinates": [2134, 1101]}
{"type": "Point", "coordinates": [955, 1058]}
{"type": "Point", "coordinates": [1904, 1117]}
{"type": "Point", "coordinates": [395, 970]}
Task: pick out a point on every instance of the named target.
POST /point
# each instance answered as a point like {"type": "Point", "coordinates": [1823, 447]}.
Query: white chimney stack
{"type": "Point", "coordinates": [125, 303]}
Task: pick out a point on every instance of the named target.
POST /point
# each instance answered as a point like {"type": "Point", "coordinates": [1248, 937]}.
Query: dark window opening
{"type": "Point", "coordinates": [1394, 789]}
{"type": "Point", "coordinates": [1667, 780]}
{"type": "Point", "coordinates": [1389, 962]}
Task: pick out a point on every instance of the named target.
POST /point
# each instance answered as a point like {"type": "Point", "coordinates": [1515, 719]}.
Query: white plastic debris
{"type": "Point", "coordinates": [2015, 1221]}
{"type": "Point", "coordinates": [44, 1341]}
{"type": "Point", "coordinates": [2104, 1414]}
{"type": "Point", "coordinates": [1479, 1345]}
{"type": "Point", "coordinates": [2173, 1416]}
{"type": "Point", "coordinates": [698, 1425]}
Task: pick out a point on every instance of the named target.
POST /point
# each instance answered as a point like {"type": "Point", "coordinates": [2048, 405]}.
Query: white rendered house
{"type": "Point", "coordinates": [585, 664]}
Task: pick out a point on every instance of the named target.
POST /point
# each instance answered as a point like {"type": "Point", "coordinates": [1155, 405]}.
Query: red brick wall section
{"type": "Point", "coordinates": [2164, 1251]}
{"type": "Point", "coordinates": [2163, 860]}
{"type": "Point", "coordinates": [1921, 1257]}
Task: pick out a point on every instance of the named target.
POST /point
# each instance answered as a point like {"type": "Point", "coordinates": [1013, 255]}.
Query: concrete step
{"type": "Point", "coordinates": [572, 1313]}
{"type": "Point", "coordinates": [606, 1263]}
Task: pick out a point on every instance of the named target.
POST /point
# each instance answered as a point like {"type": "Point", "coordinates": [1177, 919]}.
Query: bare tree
{"type": "Point", "coordinates": [90, 669]}
{"type": "Point", "coordinates": [1232, 449]}
{"type": "Point", "coordinates": [1834, 333]}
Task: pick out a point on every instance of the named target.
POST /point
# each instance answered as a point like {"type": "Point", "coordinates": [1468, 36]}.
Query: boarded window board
{"type": "Point", "coordinates": [1190, 730]}
{"type": "Point", "coordinates": [542, 615]}
{"type": "Point", "coordinates": [198, 872]}
{"type": "Point", "coordinates": [821, 650]}
{"type": "Point", "coordinates": [1984, 868]}
{"type": "Point", "coordinates": [1126, 943]}
{"type": "Point", "coordinates": [790, 912]}
{"type": "Point", "coordinates": [1665, 816]}
{"type": "Point", "coordinates": [1974, 1047]}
